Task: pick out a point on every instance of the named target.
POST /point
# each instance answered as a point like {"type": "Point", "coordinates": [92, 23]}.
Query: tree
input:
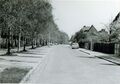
{"type": "Point", "coordinates": [79, 36]}
{"type": "Point", "coordinates": [9, 17]}
{"type": "Point", "coordinates": [22, 20]}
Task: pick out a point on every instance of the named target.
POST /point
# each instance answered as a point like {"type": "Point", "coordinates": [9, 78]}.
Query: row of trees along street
{"type": "Point", "coordinates": [28, 22]}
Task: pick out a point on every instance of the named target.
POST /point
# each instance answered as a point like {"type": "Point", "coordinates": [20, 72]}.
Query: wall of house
{"type": "Point", "coordinates": [93, 31]}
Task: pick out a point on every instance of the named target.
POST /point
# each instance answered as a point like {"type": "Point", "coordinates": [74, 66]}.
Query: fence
{"type": "Point", "coordinates": [109, 48]}
{"type": "Point", "coordinates": [117, 49]}
{"type": "Point", "coordinates": [104, 47]}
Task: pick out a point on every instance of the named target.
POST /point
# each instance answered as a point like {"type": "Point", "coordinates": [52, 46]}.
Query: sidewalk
{"type": "Point", "coordinates": [108, 57]}
{"type": "Point", "coordinates": [112, 59]}
{"type": "Point", "coordinates": [92, 53]}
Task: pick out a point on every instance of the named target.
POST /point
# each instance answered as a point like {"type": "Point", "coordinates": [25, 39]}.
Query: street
{"type": "Point", "coordinates": [60, 41]}
{"type": "Point", "coordinates": [64, 65]}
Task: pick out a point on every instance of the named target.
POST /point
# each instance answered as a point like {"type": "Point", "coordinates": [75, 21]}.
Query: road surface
{"type": "Point", "coordinates": [64, 65]}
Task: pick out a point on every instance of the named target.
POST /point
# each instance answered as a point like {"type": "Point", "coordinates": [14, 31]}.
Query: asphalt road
{"type": "Point", "coordinates": [64, 65]}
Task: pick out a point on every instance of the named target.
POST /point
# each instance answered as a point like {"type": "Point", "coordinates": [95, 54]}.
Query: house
{"type": "Point", "coordinates": [85, 28]}
{"type": "Point", "coordinates": [115, 29]}
{"type": "Point", "coordinates": [115, 23]}
{"type": "Point", "coordinates": [92, 36]}
{"type": "Point", "coordinates": [91, 33]}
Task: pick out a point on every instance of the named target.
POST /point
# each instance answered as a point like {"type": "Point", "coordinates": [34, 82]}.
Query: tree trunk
{"type": "Point", "coordinates": [32, 43]}
{"type": "Point", "coordinates": [24, 43]}
{"type": "Point", "coordinates": [8, 50]}
{"type": "Point", "coordinates": [41, 42]}
{"type": "Point", "coordinates": [35, 43]}
{"type": "Point", "coordinates": [15, 43]}
{"type": "Point", "coordinates": [6, 43]}
{"type": "Point", "coordinates": [46, 43]}
{"type": "Point", "coordinates": [12, 42]}
{"type": "Point", "coordinates": [19, 40]}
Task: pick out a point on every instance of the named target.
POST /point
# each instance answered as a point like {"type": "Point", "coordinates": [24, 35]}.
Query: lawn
{"type": "Point", "coordinates": [12, 75]}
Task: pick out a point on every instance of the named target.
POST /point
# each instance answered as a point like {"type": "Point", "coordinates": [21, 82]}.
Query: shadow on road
{"type": "Point", "coordinates": [110, 64]}
{"type": "Point", "coordinates": [87, 57]}
{"type": "Point", "coordinates": [32, 53]}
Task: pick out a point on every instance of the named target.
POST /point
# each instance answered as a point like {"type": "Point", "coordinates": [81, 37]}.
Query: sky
{"type": "Point", "coordinates": [72, 15]}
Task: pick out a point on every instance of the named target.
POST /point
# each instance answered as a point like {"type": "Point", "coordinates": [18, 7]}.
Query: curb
{"type": "Point", "coordinates": [108, 60]}
{"type": "Point", "coordinates": [84, 52]}
{"type": "Point", "coordinates": [103, 58]}
{"type": "Point", "coordinates": [25, 78]}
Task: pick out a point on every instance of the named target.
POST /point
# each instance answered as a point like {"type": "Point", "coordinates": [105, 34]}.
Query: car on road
{"type": "Point", "coordinates": [74, 45]}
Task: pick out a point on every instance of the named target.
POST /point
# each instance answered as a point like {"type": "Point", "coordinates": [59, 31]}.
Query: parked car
{"type": "Point", "coordinates": [74, 45]}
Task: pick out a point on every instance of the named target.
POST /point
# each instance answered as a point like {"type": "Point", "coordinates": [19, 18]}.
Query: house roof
{"type": "Point", "coordinates": [93, 27]}
{"type": "Point", "coordinates": [117, 17]}
{"type": "Point", "coordinates": [85, 28]}
{"type": "Point", "coordinates": [115, 24]}
{"type": "Point", "coordinates": [103, 31]}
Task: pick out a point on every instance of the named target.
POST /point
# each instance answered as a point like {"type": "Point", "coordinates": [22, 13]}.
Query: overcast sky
{"type": "Point", "coordinates": [71, 15]}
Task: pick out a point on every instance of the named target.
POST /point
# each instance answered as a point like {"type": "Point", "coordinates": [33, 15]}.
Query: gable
{"type": "Point", "coordinates": [93, 30]}
{"type": "Point", "coordinates": [115, 23]}
{"type": "Point", "coordinates": [117, 17]}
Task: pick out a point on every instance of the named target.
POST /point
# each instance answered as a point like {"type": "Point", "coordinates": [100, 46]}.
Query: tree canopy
{"type": "Point", "coordinates": [32, 19]}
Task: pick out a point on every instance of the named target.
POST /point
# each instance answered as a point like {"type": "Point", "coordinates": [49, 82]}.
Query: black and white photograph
{"type": "Point", "coordinates": [59, 41]}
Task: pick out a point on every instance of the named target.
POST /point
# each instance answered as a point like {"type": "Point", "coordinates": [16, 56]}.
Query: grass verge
{"type": "Point", "coordinates": [12, 75]}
